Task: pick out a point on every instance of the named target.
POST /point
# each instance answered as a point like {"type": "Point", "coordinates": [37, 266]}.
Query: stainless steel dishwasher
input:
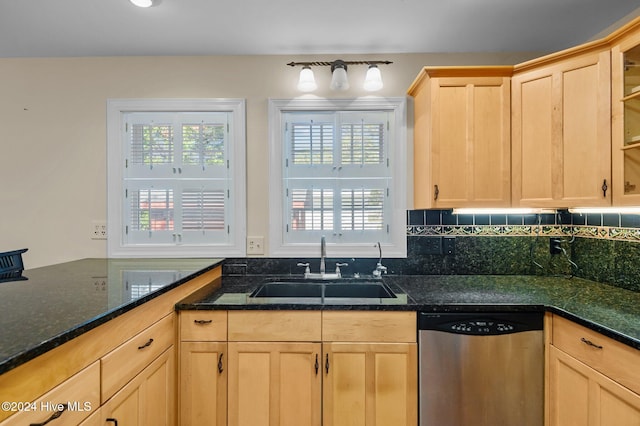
{"type": "Point", "coordinates": [481, 369]}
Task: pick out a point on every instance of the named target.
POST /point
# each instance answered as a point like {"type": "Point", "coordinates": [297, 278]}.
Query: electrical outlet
{"type": "Point", "coordinates": [98, 230]}
{"type": "Point", "coordinates": [255, 245]}
{"type": "Point", "coordinates": [449, 245]}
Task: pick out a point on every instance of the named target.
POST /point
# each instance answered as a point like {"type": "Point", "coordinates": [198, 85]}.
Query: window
{"type": "Point", "coordinates": [336, 171]}
{"type": "Point", "coordinates": [176, 178]}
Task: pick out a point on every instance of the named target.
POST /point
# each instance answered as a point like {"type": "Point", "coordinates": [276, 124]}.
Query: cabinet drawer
{"type": "Point", "coordinates": [610, 357]}
{"type": "Point", "coordinates": [81, 393]}
{"type": "Point", "coordinates": [369, 326]}
{"type": "Point", "coordinates": [123, 363]}
{"type": "Point", "coordinates": [274, 326]}
{"type": "Point", "coordinates": [203, 326]}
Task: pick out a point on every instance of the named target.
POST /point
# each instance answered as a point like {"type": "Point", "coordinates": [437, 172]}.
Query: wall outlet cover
{"type": "Point", "coordinates": [255, 245]}
{"type": "Point", "coordinates": [98, 230]}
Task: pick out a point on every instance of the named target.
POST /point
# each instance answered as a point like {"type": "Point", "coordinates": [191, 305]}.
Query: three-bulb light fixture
{"type": "Point", "coordinates": [339, 79]}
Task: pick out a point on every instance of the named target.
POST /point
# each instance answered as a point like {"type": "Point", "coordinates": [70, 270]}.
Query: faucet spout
{"type": "Point", "coordinates": [323, 254]}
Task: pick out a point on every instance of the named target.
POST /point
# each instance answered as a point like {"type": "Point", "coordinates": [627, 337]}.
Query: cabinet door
{"type": "Point", "coordinates": [274, 383]}
{"type": "Point", "coordinates": [148, 399]}
{"type": "Point", "coordinates": [203, 383]}
{"type": "Point", "coordinates": [579, 395]}
{"type": "Point", "coordinates": [625, 98]}
{"type": "Point", "coordinates": [70, 402]}
{"type": "Point", "coordinates": [462, 146]}
{"type": "Point", "coordinates": [562, 133]}
{"type": "Point", "coordinates": [370, 384]}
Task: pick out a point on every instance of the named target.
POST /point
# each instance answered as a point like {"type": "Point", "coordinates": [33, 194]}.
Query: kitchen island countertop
{"type": "Point", "coordinates": [51, 305]}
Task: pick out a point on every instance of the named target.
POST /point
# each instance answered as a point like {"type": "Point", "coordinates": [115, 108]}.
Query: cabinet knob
{"type": "Point", "coordinates": [604, 188]}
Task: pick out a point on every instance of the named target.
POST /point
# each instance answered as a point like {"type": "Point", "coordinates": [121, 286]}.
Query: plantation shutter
{"type": "Point", "coordinates": [336, 176]}
{"type": "Point", "coordinates": [177, 178]}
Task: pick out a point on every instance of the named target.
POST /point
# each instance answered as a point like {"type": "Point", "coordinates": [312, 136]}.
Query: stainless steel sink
{"type": "Point", "coordinates": [309, 291]}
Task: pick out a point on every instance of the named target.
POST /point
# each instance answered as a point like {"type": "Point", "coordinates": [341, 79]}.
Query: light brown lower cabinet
{"type": "Point", "coordinates": [81, 390]}
{"type": "Point", "coordinates": [274, 383]}
{"type": "Point", "coordinates": [203, 383]}
{"type": "Point", "coordinates": [306, 381]}
{"type": "Point", "coordinates": [579, 395]}
{"type": "Point", "coordinates": [592, 380]}
{"type": "Point", "coordinates": [147, 399]}
{"type": "Point", "coordinates": [370, 384]}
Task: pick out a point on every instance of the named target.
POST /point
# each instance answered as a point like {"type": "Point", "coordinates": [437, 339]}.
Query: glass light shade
{"type": "Point", "coordinates": [307, 82]}
{"type": "Point", "coordinates": [142, 3]}
{"type": "Point", "coordinates": [339, 80]}
{"type": "Point", "coordinates": [373, 79]}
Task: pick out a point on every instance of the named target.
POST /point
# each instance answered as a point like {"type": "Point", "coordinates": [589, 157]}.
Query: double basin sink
{"type": "Point", "coordinates": [346, 290]}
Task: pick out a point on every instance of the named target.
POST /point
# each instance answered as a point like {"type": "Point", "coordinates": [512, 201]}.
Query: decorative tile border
{"type": "Point", "coordinates": [583, 231]}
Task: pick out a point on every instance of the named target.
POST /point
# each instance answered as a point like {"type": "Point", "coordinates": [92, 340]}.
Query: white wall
{"type": "Point", "coordinates": [53, 131]}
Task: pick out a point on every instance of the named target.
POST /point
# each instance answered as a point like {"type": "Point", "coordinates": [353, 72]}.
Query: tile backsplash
{"type": "Point", "coordinates": [600, 247]}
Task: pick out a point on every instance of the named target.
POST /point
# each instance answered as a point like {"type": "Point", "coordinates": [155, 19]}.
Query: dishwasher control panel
{"type": "Point", "coordinates": [482, 327]}
{"type": "Point", "coordinates": [481, 324]}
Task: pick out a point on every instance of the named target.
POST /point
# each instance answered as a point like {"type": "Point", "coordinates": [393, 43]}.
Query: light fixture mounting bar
{"type": "Point", "coordinates": [331, 63]}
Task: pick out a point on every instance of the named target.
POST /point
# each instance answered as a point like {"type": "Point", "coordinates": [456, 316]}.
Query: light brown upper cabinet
{"type": "Point", "coordinates": [462, 137]}
{"type": "Point", "coordinates": [625, 84]}
{"type": "Point", "coordinates": [561, 130]}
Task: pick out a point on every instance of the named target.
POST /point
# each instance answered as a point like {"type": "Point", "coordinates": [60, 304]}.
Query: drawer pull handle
{"type": "Point", "coordinates": [149, 342]}
{"type": "Point", "coordinates": [590, 343]}
{"type": "Point", "coordinates": [220, 369]}
{"type": "Point", "coordinates": [202, 322]}
{"type": "Point", "coordinates": [326, 364]}
{"type": "Point", "coordinates": [317, 365]}
{"type": "Point", "coordinates": [53, 416]}
{"type": "Point", "coordinates": [115, 421]}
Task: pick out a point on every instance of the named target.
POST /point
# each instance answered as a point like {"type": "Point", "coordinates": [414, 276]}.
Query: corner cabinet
{"type": "Point", "coordinates": [462, 137]}
{"type": "Point", "coordinates": [625, 68]}
{"type": "Point", "coordinates": [561, 130]}
{"type": "Point", "coordinates": [593, 380]}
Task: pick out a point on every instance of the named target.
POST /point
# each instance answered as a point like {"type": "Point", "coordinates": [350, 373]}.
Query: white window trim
{"type": "Point", "coordinates": [116, 109]}
{"type": "Point", "coordinates": [397, 245]}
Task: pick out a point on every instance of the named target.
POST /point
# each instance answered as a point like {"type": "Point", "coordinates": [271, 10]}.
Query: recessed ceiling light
{"type": "Point", "coordinates": [142, 3]}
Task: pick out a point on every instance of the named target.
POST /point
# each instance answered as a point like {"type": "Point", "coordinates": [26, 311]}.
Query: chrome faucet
{"type": "Point", "coordinates": [323, 269]}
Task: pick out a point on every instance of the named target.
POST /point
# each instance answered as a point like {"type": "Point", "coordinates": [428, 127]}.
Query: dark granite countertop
{"type": "Point", "coordinates": [53, 304]}
{"type": "Point", "coordinates": [610, 310]}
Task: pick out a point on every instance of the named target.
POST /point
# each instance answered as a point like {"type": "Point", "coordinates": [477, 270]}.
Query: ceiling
{"type": "Point", "coordinates": [59, 28]}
